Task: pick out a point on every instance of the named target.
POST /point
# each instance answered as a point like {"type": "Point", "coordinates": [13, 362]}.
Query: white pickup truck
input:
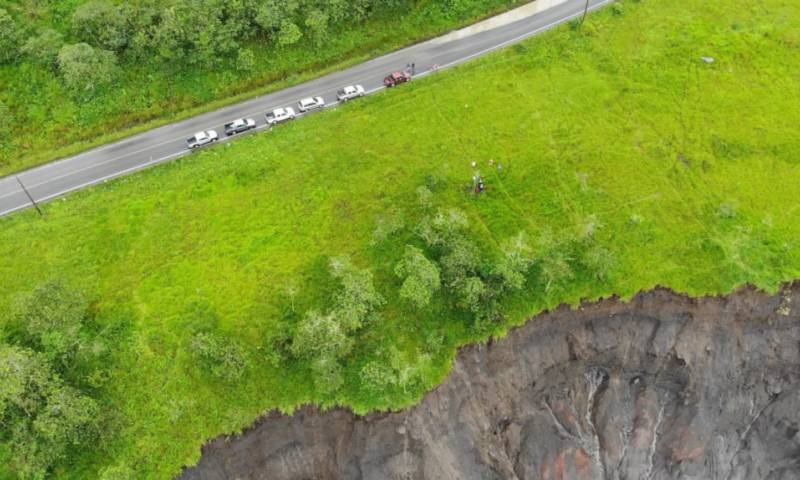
{"type": "Point", "coordinates": [202, 138]}
{"type": "Point", "coordinates": [350, 91]}
{"type": "Point", "coordinates": [280, 115]}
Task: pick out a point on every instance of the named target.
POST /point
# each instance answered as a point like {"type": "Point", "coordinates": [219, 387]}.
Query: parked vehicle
{"type": "Point", "coordinates": [350, 91]}
{"type": "Point", "coordinates": [280, 115]}
{"type": "Point", "coordinates": [239, 126]}
{"type": "Point", "coordinates": [310, 103]}
{"type": "Point", "coordinates": [396, 78]}
{"type": "Point", "coordinates": [202, 138]}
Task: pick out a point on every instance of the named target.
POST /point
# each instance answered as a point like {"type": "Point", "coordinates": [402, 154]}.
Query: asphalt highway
{"type": "Point", "coordinates": [161, 144]}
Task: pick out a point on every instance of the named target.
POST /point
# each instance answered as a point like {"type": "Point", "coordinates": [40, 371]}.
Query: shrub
{"type": "Point", "coordinates": [9, 37]}
{"type": "Point", "coordinates": [101, 23]}
{"type": "Point", "coordinates": [420, 277]}
{"type": "Point", "coordinates": [289, 33]}
{"type": "Point", "coordinates": [513, 266]}
{"type": "Point", "coordinates": [394, 371]}
{"type": "Point", "coordinates": [356, 300]}
{"type": "Point", "coordinates": [84, 68]}
{"type": "Point", "coordinates": [555, 269]}
{"type": "Point", "coordinates": [377, 377]}
{"type": "Point", "coordinates": [471, 291]}
{"type": "Point", "coordinates": [599, 261]}
{"type": "Point", "coordinates": [460, 260]}
{"type": "Point", "coordinates": [317, 24]}
{"type": "Point", "coordinates": [387, 225]}
{"type": "Point", "coordinates": [43, 48]}
{"type": "Point", "coordinates": [52, 317]}
{"type": "Point", "coordinates": [424, 196]}
{"type": "Point", "coordinates": [320, 335]}
{"type": "Point", "coordinates": [272, 13]}
{"type": "Point", "coordinates": [328, 374]}
{"type": "Point", "coordinates": [223, 358]}
{"type": "Point", "coordinates": [442, 228]}
{"type": "Point", "coordinates": [322, 340]}
{"type": "Point", "coordinates": [245, 60]}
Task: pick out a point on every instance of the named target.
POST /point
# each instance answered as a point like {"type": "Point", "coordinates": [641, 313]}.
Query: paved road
{"type": "Point", "coordinates": [134, 153]}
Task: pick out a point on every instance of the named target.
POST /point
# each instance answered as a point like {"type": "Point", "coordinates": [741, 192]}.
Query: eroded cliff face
{"type": "Point", "coordinates": [662, 387]}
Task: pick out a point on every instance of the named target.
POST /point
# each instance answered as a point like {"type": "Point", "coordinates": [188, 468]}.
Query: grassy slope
{"type": "Point", "coordinates": [36, 96]}
{"type": "Point", "coordinates": [688, 171]}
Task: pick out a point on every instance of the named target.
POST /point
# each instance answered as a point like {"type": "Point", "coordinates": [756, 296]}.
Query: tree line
{"type": "Point", "coordinates": [101, 34]}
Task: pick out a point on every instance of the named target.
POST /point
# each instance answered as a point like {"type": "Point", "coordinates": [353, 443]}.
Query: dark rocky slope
{"type": "Point", "coordinates": [662, 387]}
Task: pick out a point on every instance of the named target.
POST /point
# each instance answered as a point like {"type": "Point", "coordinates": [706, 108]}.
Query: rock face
{"type": "Point", "coordinates": [662, 387]}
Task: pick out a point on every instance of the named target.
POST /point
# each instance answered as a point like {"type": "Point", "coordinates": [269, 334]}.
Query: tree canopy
{"type": "Point", "coordinates": [42, 416]}
{"type": "Point", "coordinates": [84, 68]}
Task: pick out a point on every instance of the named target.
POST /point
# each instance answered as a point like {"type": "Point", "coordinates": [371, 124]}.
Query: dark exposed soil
{"type": "Point", "coordinates": [661, 387]}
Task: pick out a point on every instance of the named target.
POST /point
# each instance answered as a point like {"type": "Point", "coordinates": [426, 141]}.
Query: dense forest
{"type": "Point", "coordinates": [100, 35]}
{"type": "Point", "coordinates": [80, 71]}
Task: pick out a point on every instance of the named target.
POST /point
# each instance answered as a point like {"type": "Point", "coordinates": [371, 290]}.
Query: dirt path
{"type": "Point", "coordinates": [662, 387]}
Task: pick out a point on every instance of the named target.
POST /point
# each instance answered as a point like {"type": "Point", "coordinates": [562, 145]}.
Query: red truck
{"type": "Point", "coordinates": [396, 78]}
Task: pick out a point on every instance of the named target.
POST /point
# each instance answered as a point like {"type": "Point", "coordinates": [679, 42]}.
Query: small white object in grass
{"type": "Point", "coordinates": [474, 164]}
{"type": "Point", "coordinates": [708, 59]}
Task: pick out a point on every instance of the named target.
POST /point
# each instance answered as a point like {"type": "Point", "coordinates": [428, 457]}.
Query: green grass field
{"type": "Point", "coordinates": [147, 94]}
{"type": "Point", "coordinates": [687, 172]}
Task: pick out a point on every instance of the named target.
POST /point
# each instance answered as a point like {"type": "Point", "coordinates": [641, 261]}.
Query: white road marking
{"type": "Point", "coordinates": [113, 175]}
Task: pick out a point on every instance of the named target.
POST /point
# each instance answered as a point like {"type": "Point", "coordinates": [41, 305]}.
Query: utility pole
{"type": "Point", "coordinates": [35, 205]}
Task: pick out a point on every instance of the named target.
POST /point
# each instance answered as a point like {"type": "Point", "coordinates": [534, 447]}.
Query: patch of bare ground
{"type": "Point", "coordinates": [661, 387]}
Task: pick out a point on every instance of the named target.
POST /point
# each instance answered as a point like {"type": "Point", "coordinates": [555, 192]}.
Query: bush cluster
{"type": "Point", "coordinates": [324, 339]}
{"type": "Point", "coordinates": [45, 405]}
{"type": "Point", "coordinates": [473, 280]}
{"type": "Point", "coordinates": [223, 358]}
